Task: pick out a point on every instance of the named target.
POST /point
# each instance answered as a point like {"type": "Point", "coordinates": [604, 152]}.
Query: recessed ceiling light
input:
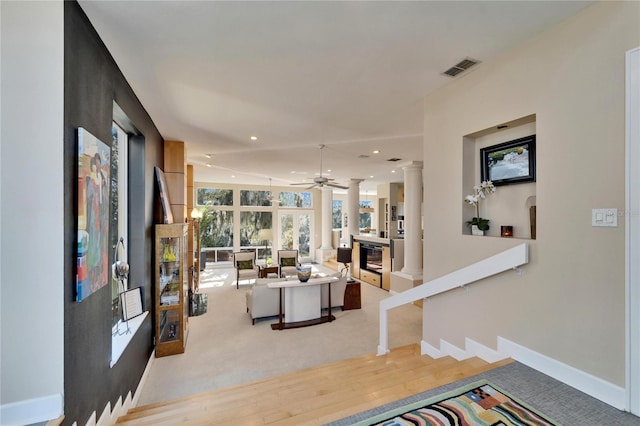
{"type": "Point", "coordinates": [376, 152]}
{"type": "Point", "coordinates": [208, 155]}
{"type": "Point", "coordinates": [393, 171]}
{"type": "Point", "coordinates": [254, 138]}
{"type": "Point", "coordinates": [233, 176]}
{"type": "Point", "coordinates": [370, 177]}
{"type": "Point", "coordinates": [328, 170]}
{"type": "Point", "coordinates": [208, 165]}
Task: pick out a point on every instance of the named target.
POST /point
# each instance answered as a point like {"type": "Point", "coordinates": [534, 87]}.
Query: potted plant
{"type": "Point", "coordinates": [478, 224]}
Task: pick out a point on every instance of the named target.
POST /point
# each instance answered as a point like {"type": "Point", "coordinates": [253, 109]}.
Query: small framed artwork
{"type": "Point", "coordinates": [131, 301]}
{"type": "Point", "coordinates": [509, 162]}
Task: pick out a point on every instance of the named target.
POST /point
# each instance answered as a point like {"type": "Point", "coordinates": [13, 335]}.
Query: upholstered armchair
{"type": "Point", "coordinates": [288, 262]}
{"type": "Point", "coordinates": [245, 264]}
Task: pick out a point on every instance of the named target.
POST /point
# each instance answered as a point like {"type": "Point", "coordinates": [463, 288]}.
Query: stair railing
{"type": "Point", "coordinates": [509, 259]}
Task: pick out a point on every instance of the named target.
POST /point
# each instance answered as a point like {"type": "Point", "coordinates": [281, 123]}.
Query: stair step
{"type": "Point", "coordinates": [314, 395]}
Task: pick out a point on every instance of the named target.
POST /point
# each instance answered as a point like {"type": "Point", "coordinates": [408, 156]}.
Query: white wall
{"type": "Point", "coordinates": [31, 210]}
{"type": "Point", "coordinates": [569, 304]}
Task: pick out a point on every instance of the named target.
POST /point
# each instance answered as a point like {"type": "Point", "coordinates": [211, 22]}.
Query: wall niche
{"type": "Point", "coordinates": [510, 204]}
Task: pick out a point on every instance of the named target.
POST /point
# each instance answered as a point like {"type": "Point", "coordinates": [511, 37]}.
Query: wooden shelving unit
{"type": "Point", "coordinates": [355, 260]}
{"type": "Point", "coordinates": [171, 289]}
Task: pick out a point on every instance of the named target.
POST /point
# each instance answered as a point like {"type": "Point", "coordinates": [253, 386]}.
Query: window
{"type": "Point", "coordinates": [233, 221]}
{"type": "Point", "coordinates": [251, 222]}
{"type": "Point", "coordinates": [216, 234]}
{"type": "Point", "coordinates": [255, 198]}
{"type": "Point", "coordinates": [365, 218]}
{"type": "Point", "coordinates": [216, 225]}
{"type": "Point", "coordinates": [337, 214]}
{"type": "Point", "coordinates": [296, 199]}
{"type": "Point", "coordinates": [119, 208]}
{"type": "Point", "coordinates": [124, 134]}
{"type": "Point", "coordinates": [216, 228]}
{"type": "Point", "coordinates": [214, 197]}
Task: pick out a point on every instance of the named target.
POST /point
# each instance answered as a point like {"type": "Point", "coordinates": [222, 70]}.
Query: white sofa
{"type": "Point", "coordinates": [262, 301]}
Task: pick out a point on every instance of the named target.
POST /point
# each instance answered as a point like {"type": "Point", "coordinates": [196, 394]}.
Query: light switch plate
{"type": "Point", "coordinates": [604, 217]}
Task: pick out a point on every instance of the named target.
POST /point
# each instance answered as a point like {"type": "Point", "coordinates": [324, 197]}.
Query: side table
{"type": "Point", "coordinates": [352, 296]}
{"type": "Point", "coordinates": [266, 270]}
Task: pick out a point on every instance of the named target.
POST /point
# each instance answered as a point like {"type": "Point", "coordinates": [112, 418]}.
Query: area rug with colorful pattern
{"type": "Point", "coordinates": [479, 403]}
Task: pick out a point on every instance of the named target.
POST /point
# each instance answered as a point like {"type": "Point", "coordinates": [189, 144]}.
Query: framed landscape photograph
{"type": "Point", "coordinates": [509, 162]}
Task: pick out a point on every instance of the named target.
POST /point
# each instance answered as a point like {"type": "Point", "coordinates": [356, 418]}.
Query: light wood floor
{"type": "Point", "coordinates": [314, 396]}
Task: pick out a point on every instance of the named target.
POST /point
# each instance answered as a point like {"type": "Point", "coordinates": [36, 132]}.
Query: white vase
{"type": "Point", "coordinates": [476, 231]}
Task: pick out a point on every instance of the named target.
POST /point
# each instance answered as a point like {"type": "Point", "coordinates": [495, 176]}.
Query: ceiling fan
{"type": "Point", "coordinates": [320, 181]}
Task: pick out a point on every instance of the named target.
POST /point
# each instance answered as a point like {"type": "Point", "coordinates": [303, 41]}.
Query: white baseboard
{"type": "Point", "coordinates": [29, 411]}
{"type": "Point", "coordinates": [110, 416]}
{"type": "Point", "coordinates": [484, 352]}
{"type": "Point", "coordinates": [453, 351]}
{"type": "Point", "coordinates": [107, 415]}
{"type": "Point", "coordinates": [446, 349]}
{"type": "Point", "coordinates": [472, 348]}
{"type": "Point", "coordinates": [606, 392]}
{"type": "Point", "coordinates": [92, 417]}
{"type": "Point", "coordinates": [143, 380]}
{"type": "Point", "coordinates": [430, 350]}
{"type": "Point", "coordinates": [104, 418]}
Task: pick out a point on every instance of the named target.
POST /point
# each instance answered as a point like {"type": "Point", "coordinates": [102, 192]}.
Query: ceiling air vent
{"type": "Point", "coordinates": [461, 66]}
{"type": "Point", "coordinates": [394, 159]}
{"type": "Point", "coordinates": [363, 156]}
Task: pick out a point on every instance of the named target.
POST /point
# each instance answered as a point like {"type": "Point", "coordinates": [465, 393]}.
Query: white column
{"type": "Point", "coordinates": [353, 207]}
{"type": "Point", "coordinates": [327, 209]}
{"type": "Point", "coordinates": [412, 218]}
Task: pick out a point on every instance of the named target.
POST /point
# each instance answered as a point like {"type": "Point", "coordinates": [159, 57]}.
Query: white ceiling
{"type": "Point", "coordinates": [350, 75]}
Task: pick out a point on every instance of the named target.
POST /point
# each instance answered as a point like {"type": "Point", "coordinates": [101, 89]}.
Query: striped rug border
{"type": "Point", "coordinates": [446, 395]}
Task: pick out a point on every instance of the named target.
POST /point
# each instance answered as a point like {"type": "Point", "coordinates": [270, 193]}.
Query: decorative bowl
{"type": "Point", "coordinates": [304, 273]}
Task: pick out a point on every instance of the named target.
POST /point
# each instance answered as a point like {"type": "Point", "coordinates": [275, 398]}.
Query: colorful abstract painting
{"type": "Point", "coordinates": [94, 166]}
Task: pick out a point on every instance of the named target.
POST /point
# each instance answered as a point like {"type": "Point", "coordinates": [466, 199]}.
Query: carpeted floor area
{"type": "Point", "coordinates": [558, 401]}
{"type": "Point", "coordinates": [224, 349]}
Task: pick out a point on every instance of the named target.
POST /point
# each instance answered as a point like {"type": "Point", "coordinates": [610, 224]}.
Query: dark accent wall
{"type": "Point", "coordinates": [92, 82]}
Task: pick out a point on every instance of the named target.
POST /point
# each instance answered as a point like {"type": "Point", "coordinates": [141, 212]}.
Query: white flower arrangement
{"type": "Point", "coordinates": [480, 192]}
